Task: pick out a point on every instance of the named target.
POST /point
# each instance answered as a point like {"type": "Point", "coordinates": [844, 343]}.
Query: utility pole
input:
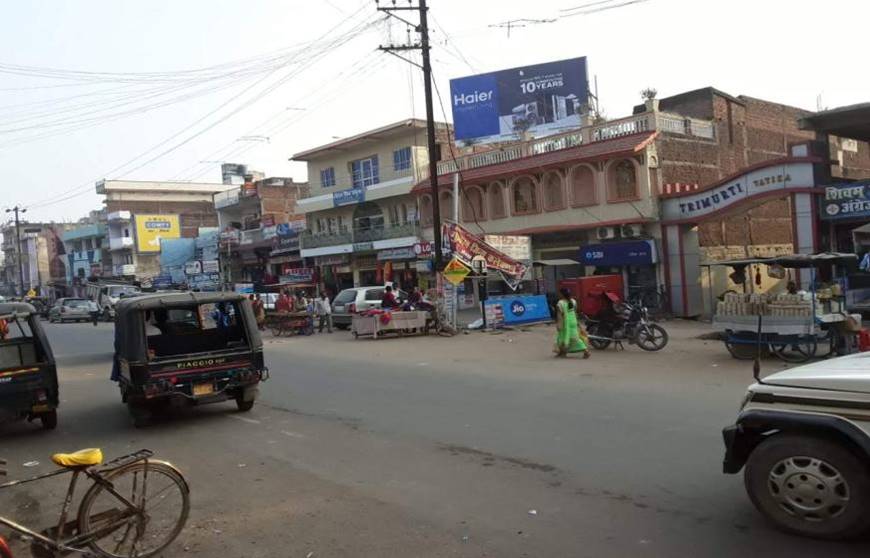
{"type": "Point", "coordinates": [423, 46]}
{"type": "Point", "coordinates": [18, 210]}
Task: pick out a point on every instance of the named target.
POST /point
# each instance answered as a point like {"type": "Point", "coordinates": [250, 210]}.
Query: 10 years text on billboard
{"type": "Point", "coordinates": [541, 99]}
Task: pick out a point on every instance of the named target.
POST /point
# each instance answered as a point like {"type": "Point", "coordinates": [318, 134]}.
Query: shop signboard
{"type": "Point", "coordinates": [465, 246]}
{"type": "Point", "coordinates": [297, 275]}
{"type": "Point", "coordinates": [348, 197]}
{"type": "Point", "coordinates": [523, 309]}
{"type": "Point", "coordinates": [423, 266]}
{"type": "Point", "coordinates": [151, 229]}
{"type": "Point", "coordinates": [335, 259]}
{"type": "Point", "coordinates": [204, 281]}
{"type": "Point", "coordinates": [270, 232]}
{"type": "Point", "coordinates": [162, 281]}
{"type": "Point", "coordinates": [423, 249]}
{"type": "Point", "coordinates": [517, 247]}
{"type": "Point", "coordinates": [494, 314]}
{"type": "Point", "coordinates": [846, 201]}
{"type": "Point", "coordinates": [455, 271]}
{"type": "Point", "coordinates": [540, 100]}
{"type": "Point", "coordinates": [406, 253]}
{"type": "Point", "coordinates": [211, 266]}
{"type": "Point", "coordinates": [244, 288]}
{"type": "Point", "coordinates": [633, 252]}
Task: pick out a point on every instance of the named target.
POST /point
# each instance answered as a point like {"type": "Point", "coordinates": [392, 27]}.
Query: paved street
{"type": "Point", "coordinates": [478, 445]}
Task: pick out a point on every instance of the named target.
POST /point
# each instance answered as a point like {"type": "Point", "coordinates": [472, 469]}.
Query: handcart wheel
{"type": "Point", "coordinates": [742, 347]}
{"type": "Point", "coordinates": [798, 348]}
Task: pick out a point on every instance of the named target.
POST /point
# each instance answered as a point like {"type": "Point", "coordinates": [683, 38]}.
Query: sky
{"type": "Point", "coordinates": [159, 90]}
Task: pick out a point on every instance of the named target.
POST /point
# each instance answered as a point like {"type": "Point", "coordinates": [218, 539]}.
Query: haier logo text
{"type": "Point", "coordinates": [472, 98]}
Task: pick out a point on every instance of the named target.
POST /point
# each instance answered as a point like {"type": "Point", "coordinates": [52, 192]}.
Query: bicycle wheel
{"type": "Point", "coordinates": [117, 531]}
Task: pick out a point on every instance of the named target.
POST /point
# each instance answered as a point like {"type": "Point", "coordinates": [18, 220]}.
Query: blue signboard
{"type": "Point", "coordinates": [632, 252]}
{"type": "Point", "coordinates": [521, 309]}
{"type": "Point", "coordinates": [348, 197]}
{"type": "Point", "coordinates": [162, 281]}
{"type": "Point", "coordinates": [846, 201]}
{"type": "Point", "coordinates": [541, 99]}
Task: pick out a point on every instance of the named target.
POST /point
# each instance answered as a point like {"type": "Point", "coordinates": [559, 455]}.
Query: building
{"type": "Point", "coordinates": [259, 223]}
{"type": "Point", "coordinates": [43, 260]}
{"type": "Point", "coordinates": [140, 214]}
{"type": "Point", "coordinates": [628, 195]}
{"type": "Point", "coordinates": [362, 217]}
{"type": "Point", "coordinates": [87, 254]}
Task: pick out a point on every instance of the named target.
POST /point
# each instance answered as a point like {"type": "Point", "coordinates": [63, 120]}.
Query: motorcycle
{"type": "Point", "coordinates": [632, 324]}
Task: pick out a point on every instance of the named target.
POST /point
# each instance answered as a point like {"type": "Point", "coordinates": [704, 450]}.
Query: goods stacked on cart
{"type": "Point", "coordinates": [754, 304]}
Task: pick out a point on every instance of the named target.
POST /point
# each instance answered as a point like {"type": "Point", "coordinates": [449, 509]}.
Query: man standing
{"type": "Point", "coordinates": [283, 303]}
{"type": "Point", "coordinates": [324, 313]}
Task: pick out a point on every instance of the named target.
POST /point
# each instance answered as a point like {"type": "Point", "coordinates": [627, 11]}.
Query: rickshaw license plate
{"type": "Point", "coordinates": [203, 389]}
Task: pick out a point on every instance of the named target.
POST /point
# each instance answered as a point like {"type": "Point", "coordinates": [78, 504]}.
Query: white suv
{"type": "Point", "coordinates": [804, 437]}
{"type": "Point", "coordinates": [358, 299]}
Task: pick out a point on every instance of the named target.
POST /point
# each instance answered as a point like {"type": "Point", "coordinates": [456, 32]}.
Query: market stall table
{"type": "Point", "coordinates": [400, 322]}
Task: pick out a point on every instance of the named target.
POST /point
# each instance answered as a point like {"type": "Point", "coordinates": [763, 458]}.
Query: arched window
{"type": "Point", "coordinates": [554, 193]}
{"type": "Point", "coordinates": [582, 186]}
{"type": "Point", "coordinates": [472, 204]}
{"type": "Point", "coordinates": [426, 211]}
{"type": "Point", "coordinates": [446, 201]}
{"type": "Point", "coordinates": [495, 193]}
{"type": "Point", "coordinates": [622, 181]}
{"type": "Point", "coordinates": [525, 196]}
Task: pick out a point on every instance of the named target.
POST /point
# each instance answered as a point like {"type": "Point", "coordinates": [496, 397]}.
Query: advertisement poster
{"type": "Point", "coordinates": [523, 309]}
{"type": "Point", "coordinates": [538, 100]}
{"type": "Point", "coordinates": [517, 247]}
{"type": "Point", "coordinates": [151, 229]}
{"type": "Point", "coordinates": [465, 246]}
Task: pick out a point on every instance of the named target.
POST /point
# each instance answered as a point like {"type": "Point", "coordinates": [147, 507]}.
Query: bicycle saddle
{"type": "Point", "coordinates": [81, 458]}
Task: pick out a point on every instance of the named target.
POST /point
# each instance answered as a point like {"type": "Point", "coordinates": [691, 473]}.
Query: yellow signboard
{"type": "Point", "coordinates": [151, 229]}
{"type": "Point", "coordinates": [455, 271]}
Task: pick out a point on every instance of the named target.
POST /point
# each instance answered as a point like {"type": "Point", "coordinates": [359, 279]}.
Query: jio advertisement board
{"type": "Point", "coordinates": [537, 100]}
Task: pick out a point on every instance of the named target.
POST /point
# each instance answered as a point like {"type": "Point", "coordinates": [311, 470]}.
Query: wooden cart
{"type": "Point", "coordinates": [401, 323]}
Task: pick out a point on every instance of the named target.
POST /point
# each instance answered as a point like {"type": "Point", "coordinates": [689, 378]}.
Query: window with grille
{"type": "Point", "coordinates": [402, 159]}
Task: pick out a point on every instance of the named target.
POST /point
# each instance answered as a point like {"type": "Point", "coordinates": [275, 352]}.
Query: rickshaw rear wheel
{"type": "Point", "coordinates": [140, 413]}
{"type": "Point", "coordinates": [242, 405]}
{"type": "Point", "coordinates": [49, 420]}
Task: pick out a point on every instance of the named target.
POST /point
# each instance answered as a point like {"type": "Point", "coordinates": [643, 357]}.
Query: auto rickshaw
{"type": "Point", "coordinates": [174, 349]}
{"type": "Point", "coordinates": [28, 374]}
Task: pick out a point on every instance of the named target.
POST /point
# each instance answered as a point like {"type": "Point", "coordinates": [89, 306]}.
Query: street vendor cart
{"type": "Point", "coordinates": [794, 327]}
{"type": "Point", "coordinates": [378, 323]}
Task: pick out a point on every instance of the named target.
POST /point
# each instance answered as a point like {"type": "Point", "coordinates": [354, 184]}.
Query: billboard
{"type": "Point", "coordinates": [540, 100]}
{"type": "Point", "coordinates": [846, 201]}
{"type": "Point", "coordinates": [151, 229]}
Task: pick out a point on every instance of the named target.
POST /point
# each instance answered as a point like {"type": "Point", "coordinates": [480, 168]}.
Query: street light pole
{"type": "Point", "coordinates": [18, 210]}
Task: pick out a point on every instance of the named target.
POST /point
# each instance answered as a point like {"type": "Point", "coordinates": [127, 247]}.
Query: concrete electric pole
{"type": "Point", "coordinates": [423, 46]}
{"type": "Point", "coordinates": [18, 210]}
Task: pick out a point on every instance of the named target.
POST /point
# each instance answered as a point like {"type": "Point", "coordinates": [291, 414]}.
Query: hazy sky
{"type": "Point", "coordinates": [58, 134]}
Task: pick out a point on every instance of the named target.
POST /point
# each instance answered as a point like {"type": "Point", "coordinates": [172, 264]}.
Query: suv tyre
{"type": "Point", "coordinates": [810, 486]}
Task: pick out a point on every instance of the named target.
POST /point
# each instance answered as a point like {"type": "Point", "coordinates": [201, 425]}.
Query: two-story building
{"type": "Point", "coordinates": [361, 216]}
{"type": "Point", "coordinates": [86, 253]}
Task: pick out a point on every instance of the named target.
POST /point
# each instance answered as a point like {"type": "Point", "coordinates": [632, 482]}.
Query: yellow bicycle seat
{"type": "Point", "coordinates": [81, 458]}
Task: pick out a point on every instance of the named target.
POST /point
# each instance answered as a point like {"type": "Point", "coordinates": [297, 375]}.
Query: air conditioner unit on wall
{"type": "Point", "coordinates": [632, 230]}
{"type": "Point", "coordinates": [605, 233]}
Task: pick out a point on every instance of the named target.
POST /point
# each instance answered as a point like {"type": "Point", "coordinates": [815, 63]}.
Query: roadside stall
{"type": "Point", "coordinates": [793, 326]}
{"type": "Point", "coordinates": [377, 323]}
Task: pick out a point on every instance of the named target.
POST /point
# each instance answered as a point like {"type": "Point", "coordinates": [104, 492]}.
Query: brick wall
{"type": "Point", "coordinates": [279, 201]}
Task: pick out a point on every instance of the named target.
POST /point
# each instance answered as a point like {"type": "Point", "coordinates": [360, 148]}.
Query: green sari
{"type": "Point", "coordinates": [568, 338]}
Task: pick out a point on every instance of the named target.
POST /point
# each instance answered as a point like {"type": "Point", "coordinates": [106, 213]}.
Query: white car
{"type": "Point", "coordinates": [803, 436]}
{"type": "Point", "coordinates": [358, 299]}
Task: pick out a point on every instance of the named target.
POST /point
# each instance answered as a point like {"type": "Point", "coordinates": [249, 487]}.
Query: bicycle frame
{"type": "Point", "coordinates": [58, 544]}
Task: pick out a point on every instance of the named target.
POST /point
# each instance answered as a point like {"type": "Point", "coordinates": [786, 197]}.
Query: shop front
{"type": "Point", "coordinates": [336, 273]}
{"type": "Point", "coordinates": [844, 211]}
{"type": "Point", "coordinates": [399, 266]}
{"type": "Point", "coordinates": [635, 260]}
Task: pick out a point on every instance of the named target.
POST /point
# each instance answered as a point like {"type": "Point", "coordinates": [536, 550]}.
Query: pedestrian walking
{"type": "Point", "coordinates": [568, 338]}
{"type": "Point", "coordinates": [324, 313]}
{"type": "Point", "coordinates": [260, 312]}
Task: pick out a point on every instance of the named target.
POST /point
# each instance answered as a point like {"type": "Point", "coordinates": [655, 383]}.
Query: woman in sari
{"type": "Point", "coordinates": [568, 339]}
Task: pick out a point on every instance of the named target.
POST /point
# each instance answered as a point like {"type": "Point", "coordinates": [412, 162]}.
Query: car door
{"type": "Point", "coordinates": [371, 298]}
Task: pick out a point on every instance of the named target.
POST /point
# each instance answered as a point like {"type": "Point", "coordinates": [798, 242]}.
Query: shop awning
{"type": "Point", "coordinates": [557, 261]}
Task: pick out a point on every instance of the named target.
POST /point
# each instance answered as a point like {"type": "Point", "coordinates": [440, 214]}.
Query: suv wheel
{"type": "Point", "coordinates": [809, 486]}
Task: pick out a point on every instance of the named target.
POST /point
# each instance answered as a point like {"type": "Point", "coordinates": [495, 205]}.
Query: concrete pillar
{"type": "Point", "coordinates": [804, 230]}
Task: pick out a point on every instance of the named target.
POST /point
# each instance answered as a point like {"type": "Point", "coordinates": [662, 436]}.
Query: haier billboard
{"type": "Point", "coordinates": [541, 99]}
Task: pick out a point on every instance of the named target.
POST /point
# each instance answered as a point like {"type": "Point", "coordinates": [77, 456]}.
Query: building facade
{"type": "Point", "coordinates": [259, 224]}
{"type": "Point", "coordinates": [139, 214]}
{"type": "Point", "coordinates": [362, 218]}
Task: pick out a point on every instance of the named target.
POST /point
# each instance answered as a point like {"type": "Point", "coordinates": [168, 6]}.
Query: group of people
{"type": "Point", "coordinates": [319, 307]}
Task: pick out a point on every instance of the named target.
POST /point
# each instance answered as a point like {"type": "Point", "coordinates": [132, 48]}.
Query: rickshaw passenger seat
{"type": "Point", "coordinates": [81, 458]}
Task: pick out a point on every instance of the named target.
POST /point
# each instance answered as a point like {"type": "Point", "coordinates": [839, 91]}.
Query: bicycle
{"type": "Point", "coordinates": [654, 299]}
{"type": "Point", "coordinates": [116, 515]}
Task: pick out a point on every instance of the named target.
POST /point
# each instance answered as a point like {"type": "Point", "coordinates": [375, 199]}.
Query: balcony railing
{"type": "Point", "coordinates": [312, 240]}
{"type": "Point", "coordinates": [644, 122]}
{"type": "Point", "coordinates": [120, 243]}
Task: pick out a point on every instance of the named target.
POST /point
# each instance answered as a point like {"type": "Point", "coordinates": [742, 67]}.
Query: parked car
{"type": "Point", "coordinates": [71, 310]}
{"type": "Point", "coordinates": [803, 437]}
{"type": "Point", "coordinates": [358, 299]}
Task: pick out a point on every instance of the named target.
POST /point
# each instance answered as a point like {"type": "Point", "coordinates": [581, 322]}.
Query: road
{"type": "Point", "coordinates": [477, 445]}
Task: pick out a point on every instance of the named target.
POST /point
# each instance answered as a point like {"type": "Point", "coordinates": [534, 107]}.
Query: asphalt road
{"type": "Point", "coordinates": [479, 445]}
